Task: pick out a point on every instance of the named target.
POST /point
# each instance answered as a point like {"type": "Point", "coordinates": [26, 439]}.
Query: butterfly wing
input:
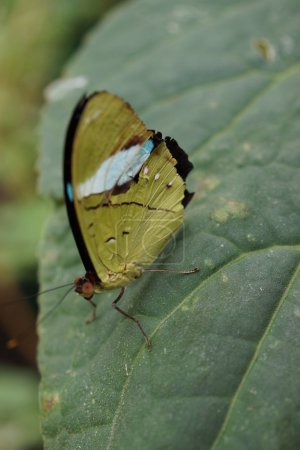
{"type": "Point", "coordinates": [124, 188]}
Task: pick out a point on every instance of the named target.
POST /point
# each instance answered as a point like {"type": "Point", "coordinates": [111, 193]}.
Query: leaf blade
{"type": "Point", "coordinates": [237, 115]}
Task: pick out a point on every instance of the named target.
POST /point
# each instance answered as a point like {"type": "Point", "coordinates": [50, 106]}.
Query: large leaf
{"type": "Point", "coordinates": [224, 373]}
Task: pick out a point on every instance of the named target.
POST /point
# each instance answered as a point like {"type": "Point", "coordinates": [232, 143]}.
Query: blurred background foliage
{"type": "Point", "coordinates": [36, 37]}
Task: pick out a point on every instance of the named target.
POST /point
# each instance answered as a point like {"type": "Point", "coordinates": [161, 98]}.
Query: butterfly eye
{"type": "Point", "coordinates": [87, 289]}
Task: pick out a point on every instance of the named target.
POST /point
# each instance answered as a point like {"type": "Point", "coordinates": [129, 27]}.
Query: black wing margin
{"type": "Point", "coordinates": [68, 187]}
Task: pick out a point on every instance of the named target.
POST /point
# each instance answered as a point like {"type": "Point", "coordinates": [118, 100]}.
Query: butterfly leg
{"type": "Point", "coordinates": [114, 305]}
{"type": "Point", "coordinates": [185, 272]}
{"type": "Point", "coordinates": [94, 306]}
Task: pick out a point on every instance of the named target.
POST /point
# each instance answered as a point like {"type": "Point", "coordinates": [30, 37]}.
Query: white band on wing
{"type": "Point", "coordinates": [117, 170]}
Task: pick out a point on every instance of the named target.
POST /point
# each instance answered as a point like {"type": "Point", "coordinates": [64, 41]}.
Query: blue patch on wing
{"type": "Point", "coordinates": [148, 147]}
{"type": "Point", "coordinates": [69, 192]}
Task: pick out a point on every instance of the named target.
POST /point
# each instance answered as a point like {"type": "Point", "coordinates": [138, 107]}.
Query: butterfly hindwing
{"type": "Point", "coordinates": [133, 227]}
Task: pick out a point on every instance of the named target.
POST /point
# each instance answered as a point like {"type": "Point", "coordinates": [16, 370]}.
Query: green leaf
{"type": "Point", "coordinates": [223, 79]}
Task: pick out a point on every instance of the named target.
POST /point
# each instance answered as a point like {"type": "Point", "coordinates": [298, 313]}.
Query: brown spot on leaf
{"type": "Point", "coordinates": [49, 402]}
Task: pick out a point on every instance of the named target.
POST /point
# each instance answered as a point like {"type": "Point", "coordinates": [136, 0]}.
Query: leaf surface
{"type": "Point", "coordinates": [223, 79]}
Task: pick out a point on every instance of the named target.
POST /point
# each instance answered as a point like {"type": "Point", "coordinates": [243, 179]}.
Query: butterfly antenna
{"type": "Point", "coordinates": [14, 342]}
{"type": "Point", "coordinates": [37, 294]}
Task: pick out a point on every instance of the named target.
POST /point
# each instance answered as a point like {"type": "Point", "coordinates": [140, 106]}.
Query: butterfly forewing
{"type": "Point", "coordinates": [107, 126]}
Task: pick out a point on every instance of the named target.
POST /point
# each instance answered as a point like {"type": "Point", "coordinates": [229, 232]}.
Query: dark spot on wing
{"type": "Point", "coordinates": [110, 239]}
{"type": "Point", "coordinates": [121, 189]}
{"type": "Point", "coordinates": [134, 140]}
{"type": "Point", "coordinates": [157, 137]}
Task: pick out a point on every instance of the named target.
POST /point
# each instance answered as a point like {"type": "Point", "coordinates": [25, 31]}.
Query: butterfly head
{"type": "Point", "coordinates": [86, 285]}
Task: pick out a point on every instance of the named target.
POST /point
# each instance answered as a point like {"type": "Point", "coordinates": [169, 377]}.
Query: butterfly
{"type": "Point", "coordinates": [125, 192]}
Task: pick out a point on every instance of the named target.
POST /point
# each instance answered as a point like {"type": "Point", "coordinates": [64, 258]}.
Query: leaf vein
{"type": "Point", "coordinates": [255, 357]}
{"type": "Point", "coordinates": [290, 71]}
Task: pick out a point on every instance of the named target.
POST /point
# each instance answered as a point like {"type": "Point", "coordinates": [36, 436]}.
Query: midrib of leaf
{"type": "Point", "coordinates": [275, 78]}
{"type": "Point", "coordinates": [255, 356]}
{"type": "Point", "coordinates": [207, 84]}
{"type": "Point", "coordinates": [236, 260]}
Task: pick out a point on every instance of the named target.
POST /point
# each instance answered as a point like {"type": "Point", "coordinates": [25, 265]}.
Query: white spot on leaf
{"type": "Point", "coordinates": [126, 370]}
{"type": "Point", "coordinates": [60, 88]}
{"type": "Point", "coordinates": [225, 278]}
